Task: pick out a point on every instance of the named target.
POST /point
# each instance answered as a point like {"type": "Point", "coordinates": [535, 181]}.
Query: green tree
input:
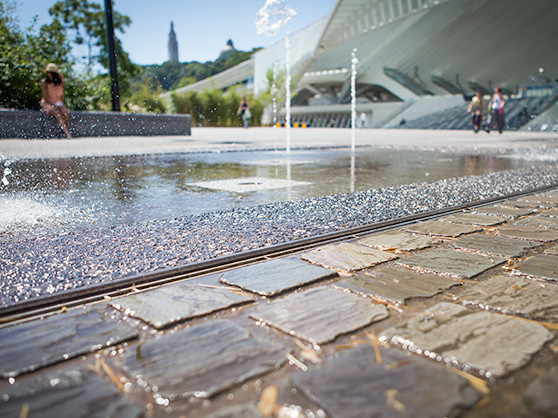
{"type": "Point", "coordinates": [146, 99]}
{"type": "Point", "coordinates": [85, 23]}
{"type": "Point", "coordinates": [23, 56]}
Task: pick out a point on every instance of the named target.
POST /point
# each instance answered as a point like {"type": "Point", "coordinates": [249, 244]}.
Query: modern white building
{"type": "Point", "coordinates": [415, 57]}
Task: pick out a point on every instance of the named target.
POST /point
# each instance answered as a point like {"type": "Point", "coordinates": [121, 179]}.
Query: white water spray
{"type": "Point", "coordinates": [354, 62]}
{"type": "Point", "coordinates": [274, 95]}
{"type": "Point", "coordinates": [273, 15]}
{"type": "Point", "coordinates": [269, 19]}
{"type": "Point", "coordinates": [6, 172]}
{"type": "Point", "coordinates": [288, 93]}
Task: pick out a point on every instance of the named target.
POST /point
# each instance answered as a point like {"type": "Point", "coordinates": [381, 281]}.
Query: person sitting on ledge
{"type": "Point", "coordinates": [52, 101]}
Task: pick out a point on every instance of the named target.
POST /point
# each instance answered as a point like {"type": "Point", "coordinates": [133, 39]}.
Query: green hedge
{"type": "Point", "coordinates": [216, 108]}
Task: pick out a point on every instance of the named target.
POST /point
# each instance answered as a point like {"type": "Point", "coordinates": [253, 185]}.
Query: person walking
{"type": "Point", "coordinates": [244, 111]}
{"type": "Point", "coordinates": [52, 101]}
{"type": "Point", "coordinates": [496, 107]}
{"type": "Point", "coordinates": [476, 108]}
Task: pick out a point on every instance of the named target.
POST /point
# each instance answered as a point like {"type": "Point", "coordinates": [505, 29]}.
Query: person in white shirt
{"type": "Point", "coordinates": [496, 106]}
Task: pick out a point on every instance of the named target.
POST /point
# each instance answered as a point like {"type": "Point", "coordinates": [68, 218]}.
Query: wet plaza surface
{"type": "Point", "coordinates": [58, 195]}
{"type": "Point", "coordinates": [455, 316]}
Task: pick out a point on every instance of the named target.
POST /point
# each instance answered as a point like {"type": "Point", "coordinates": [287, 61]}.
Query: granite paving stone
{"type": "Point", "coordinates": [67, 393]}
{"type": "Point", "coordinates": [454, 263]}
{"type": "Point", "coordinates": [202, 360]}
{"type": "Point", "coordinates": [320, 314]}
{"type": "Point", "coordinates": [515, 296]}
{"type": "Point", "coordinates": [516, 203]}
{"type": "Point", "coordinates": [38, 343]}
{"type": "Point", "coordinates": [396, 285]}
{"type": "Point", "coordinates": [540, 397]}
{"type": "Point", "coordinates": [540, 266]}
{"type": "Point", "coordinates": [552, 213]}
{"type": "Point", "coordinates": [501, 246]}
{"type": "Point", "coordinates": [528, 232]}
{"type": "Point", "coordinates": [539, 221]}
{"type": "Point", "coordinates": [275, 276]}
{"type": "Point", "coordinates": [355, 385]}
{"type": "Point", "coordinates": [237, 411]}
{"type": "Point", "coordinates": [488, 342]}
{"type": "Point", "coordinates": [347, 257]}
{"type": "Point", "coordinates": [399, 241]}
{"type": "Point", "coordinates": [468, 218]}
{"type": "Point", "coordinates": [504, 212]}
{"type": "Point", "coordinates": [552, 250]}
{"type": "Point", "coordinates": [441, 229]}
{"type": "Point", "coordinates": [547, 199]}
{"type": "Point", "coordinates": [170, 304]}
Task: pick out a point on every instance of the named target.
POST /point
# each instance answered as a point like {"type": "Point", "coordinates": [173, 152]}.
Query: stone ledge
{"type": "Point", "coordinates": [30, 124]}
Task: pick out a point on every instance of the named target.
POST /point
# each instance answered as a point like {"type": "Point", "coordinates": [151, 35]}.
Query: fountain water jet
{"type": "Point", "coordinates": [354, 62]}
{"type": "Point", "coordinates": [288, 94]}
{"type": "Point", "coordinates": [273, 15]}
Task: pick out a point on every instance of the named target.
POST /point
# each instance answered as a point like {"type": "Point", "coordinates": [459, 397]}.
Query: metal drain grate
{"type": "Point", "coordinates": [248, 184]}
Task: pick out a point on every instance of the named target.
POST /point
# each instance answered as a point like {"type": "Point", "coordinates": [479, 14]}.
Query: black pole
{"type": "Point", "coordinates": [115, 94]}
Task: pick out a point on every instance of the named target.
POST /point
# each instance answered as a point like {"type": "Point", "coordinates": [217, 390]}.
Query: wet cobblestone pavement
{"type": "Point", "coordinates": [392, 329]}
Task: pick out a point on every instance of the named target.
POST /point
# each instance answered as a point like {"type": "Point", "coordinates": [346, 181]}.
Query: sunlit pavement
{"type": "Point", "coordinates": [231, 139]}
{"type": "Point", "coordinates": [457, 315]}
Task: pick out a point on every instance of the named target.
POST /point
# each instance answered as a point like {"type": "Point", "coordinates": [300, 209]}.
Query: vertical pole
{"type": "Point", "coordinates": [111, 46]}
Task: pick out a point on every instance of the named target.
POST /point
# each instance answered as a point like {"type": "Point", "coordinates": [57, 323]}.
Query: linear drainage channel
{"type": "Point", "coordinates": [114, 288]}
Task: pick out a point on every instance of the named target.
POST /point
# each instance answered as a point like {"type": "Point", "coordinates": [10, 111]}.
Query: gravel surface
{"type": "Point", "coordinates": [37, 266]}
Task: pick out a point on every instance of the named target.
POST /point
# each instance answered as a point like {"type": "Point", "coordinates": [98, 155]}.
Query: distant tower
{"type": "Point", "coordinates": [173, 45]}
{"type": "Point", "coordinates": [226, 51]}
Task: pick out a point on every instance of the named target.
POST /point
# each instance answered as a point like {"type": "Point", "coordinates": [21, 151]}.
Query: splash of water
{"type": "Point", "coordinates": [273, 15]}
{"type": "Point", "coordinates": [24, 212]}
{"type": "Point", "coordinates": [542, 153]}
{"type": "Point", "coordinates": [6, 172]}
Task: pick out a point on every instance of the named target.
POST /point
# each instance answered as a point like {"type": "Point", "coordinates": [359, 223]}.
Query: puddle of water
{"type": "Point", "coordinates": [81, 193]}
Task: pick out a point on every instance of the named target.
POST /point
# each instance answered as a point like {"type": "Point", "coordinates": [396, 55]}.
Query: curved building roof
{"type": "Point", "coordinates": [488, 42]}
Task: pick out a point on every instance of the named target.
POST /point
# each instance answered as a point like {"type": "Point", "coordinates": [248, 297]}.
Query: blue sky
{"type": "Point", "coordinates": [202, 26]}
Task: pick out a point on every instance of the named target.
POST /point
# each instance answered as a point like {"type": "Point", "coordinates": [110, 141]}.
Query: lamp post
{"type": "Point", "coordinates": [115, 93]}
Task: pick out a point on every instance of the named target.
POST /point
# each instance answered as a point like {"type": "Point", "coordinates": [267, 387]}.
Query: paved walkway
{"type": "Point", "coordinates": [221, 139]}
{"type": "Point", "coordinates": [452, 316]}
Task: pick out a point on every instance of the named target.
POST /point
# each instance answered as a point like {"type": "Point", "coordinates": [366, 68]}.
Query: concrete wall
{"type": "Point", "coordinates": [31, 124]}
{"type": "Point", "coordinates": [425, 105]}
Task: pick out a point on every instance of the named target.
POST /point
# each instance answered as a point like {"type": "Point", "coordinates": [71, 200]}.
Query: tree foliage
{"type": "Point", "coordinates": [85, 24]}
{"type": "Point", "coordinates": [146, 99]}
{"type": "Point", "coordinates": [216, 108]}
{"type": "Point", "coordinates": [24, 53]}
{"type": "Point", "coordinates": [171, 75]}
{"type": "Point", "coordinates": [23, 56]}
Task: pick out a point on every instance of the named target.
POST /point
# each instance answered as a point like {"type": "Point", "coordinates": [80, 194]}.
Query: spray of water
{"type": "Point", "coordinates": [288, 93]}
{"type": "Point", "coordinates": [269, 19]}
{"type": "Point", "coordinates": [6, 172]}
{"type": "Point", "coordinates": [354, 62]}
{"type": "Point", "coordinates": [273, 94]}
{"type": "Point", "coordinates": [273, 15]}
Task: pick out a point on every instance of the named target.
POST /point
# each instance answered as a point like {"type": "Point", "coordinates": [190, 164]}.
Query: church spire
{"type": "Point", "coordinates": [173, 45]}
